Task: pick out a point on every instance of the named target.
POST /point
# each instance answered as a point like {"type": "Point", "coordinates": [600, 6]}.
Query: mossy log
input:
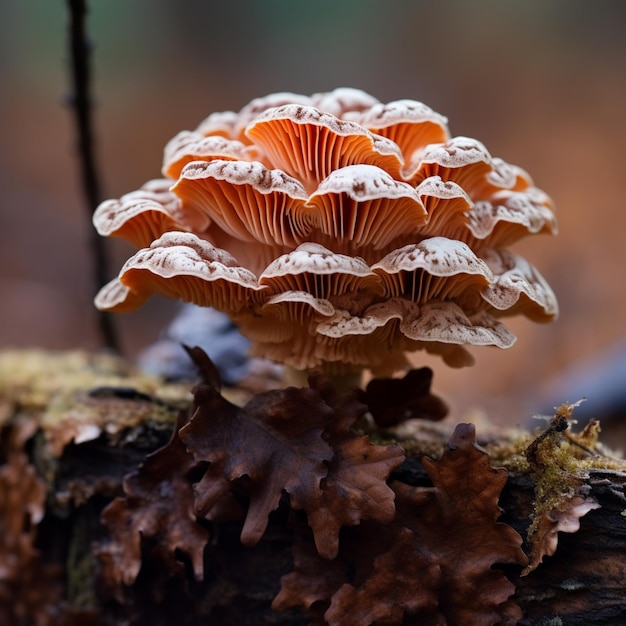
{"type": "Point", "coordinates": [74, 425]}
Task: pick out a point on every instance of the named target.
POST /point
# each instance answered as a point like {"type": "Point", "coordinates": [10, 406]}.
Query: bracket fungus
{"type": "Point", "coordinates": [337, 232]}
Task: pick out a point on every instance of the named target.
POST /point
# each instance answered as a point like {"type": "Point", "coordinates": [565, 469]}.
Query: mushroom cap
{"type": "Point", "coordinates": [318, 271]}
{"type": "Point", "coordinates": [309, 144]}
{"type": "Point", "coordinates": [187, 147]}
{"type": "Point", "coordinates": [435, 269]}
{"type": "Point", "coordinates": [245, 199]}
{"type": "Point", "coordinates": [409, 124]}
{"type": "Point", "coordinates": [141, 216]}
{"type": "Point", "coordinates": [509, 215]}
{"type": "Point", "coordinates": [518, 287]}
{"type": "Point", "coordinates": [181, 266]}
{"type": "Point", "coordinates": [337, 232]}
{"type": "Point", "coordinates": [362, 207]}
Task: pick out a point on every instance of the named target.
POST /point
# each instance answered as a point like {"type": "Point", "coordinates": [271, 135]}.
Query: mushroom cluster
{"type": "Point", "coordinates": [337, 232]}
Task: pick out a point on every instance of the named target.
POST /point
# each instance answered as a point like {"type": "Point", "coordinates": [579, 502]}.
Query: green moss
{"type": "Point", "coordinates": [558, 461]}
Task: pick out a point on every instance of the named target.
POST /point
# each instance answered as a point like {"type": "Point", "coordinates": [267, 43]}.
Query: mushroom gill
{"type": "Point", "coordinates": [338, 232]}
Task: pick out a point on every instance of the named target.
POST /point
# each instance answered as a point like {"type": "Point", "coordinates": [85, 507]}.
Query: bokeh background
{"type": "Point", "coordinates": [542, 84]}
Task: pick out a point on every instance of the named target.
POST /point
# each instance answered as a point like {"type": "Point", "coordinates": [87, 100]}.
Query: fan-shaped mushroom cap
{"type": "Point", "coordinates": [448, 206]}
{"type": "Point", "coordinates": [222, 124]}
{"type": "Point", "coordinates": [343, 102]}
{"type": "Point", "coordinates": [411, 125]}
{"type": "Point", "coordinates": [435, 269]}
{"type": "Point", "coordinates": [181, 265]}
{"type": "Point", "coordinates": [140, 216]}
{"type": "Point", "coordinates": [294, 305]}
{"type": "Point", "coordinates": [362, 206]}
{"type": "Point", "coordinates": [518, 287]}
{"type": "Point", "coordinates": [320, 272]}
{"type": "Point", "coordinates": [258, 106]}
{"type": "Point", "coordinates": [503, 175]}
{"type": "Point", "coordinates": [117, 297]}
{"type": "Point", "coordinates": [192, 146]}
{"type": "Point", "coordinates": [337, 232]}
{"type": "Point", "coordinates": [413, 326]}
{"type": "Point", "coordinates": [446, 322]}
{"type": "Point", "coordinates": [510, 215]}
{"type": "Point", "coordinates": [285, 316]}
{"type": "Point", "coordinates": [246, 199]}
{"type": "Point", "coordinates": [309, 144]}
{"type": "Point", "coordinates": [463, 160]}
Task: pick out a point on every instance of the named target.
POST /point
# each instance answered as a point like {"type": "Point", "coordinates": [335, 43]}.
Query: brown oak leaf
{"type": "Point", "coordinates": [30, 589]}
{"type": "Point", "coordinates": [394, 400]}
{"type": "Point", "coordinates": [158, 504]}
{"type": "Point", "coordinates": [313, 580]}
{"type": "Point", "coordinates": [563, 518]}
{"type": "Point", "coordinates": [355, 488]}
{"type": "Point", "coordinates": [463, 507]}
{"type": "Point", "coordinates": [296, 441]}
{"type": "Point", "coordinates": [384, 583]}
{"type": "Point", "coordinates": [403, 581]}
{"type": "Point", "coordinates": [274, 442]}
{"type": "Point", "coordinates": [444, 543]}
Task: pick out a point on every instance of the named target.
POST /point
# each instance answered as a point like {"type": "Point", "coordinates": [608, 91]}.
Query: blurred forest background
{"type": "Point", "coordinates": [542, 84]}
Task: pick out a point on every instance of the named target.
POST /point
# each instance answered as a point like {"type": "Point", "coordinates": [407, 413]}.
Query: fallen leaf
{"type": "Point", "coordinates": [158, 504]}
{"type": "Point", "coordinates": [394, 400]}
{"type": "Point", "coordinates": [297, 441]}
{"type": "Point", "coordinates": [274, 441]}
{"type": "Point", "coordinates": [355, 488]}
{"type": "Point", "coordinates": [564, 518]}
{"type": "Point", "coordinates": [403, 582]}
{"type": "Point", "coordinates": [444, 543]}
{"type": "Point", "coordinates": [313, 580]}
{"type": "Point", "coordinates": [458, 521]}
{"type": "Point", "coordinates": [30, 590]}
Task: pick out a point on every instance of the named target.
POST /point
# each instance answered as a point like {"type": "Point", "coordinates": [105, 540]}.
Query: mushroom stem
{"type": "Point", "coordinates": [341, 382]}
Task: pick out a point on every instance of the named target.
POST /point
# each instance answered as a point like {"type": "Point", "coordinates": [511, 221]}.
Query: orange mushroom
{"type": "Point", "coordinates": [338, 232]}
{"type": "Point", "coordinates": [141, 216]}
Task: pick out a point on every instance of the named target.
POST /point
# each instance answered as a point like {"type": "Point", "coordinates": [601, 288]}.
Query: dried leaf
{"type": "Point", "coordinates": [447, 539]}
{"type": "Point", "coordinates": [158, 505]}
{"type": "Point", "coordinates": [403, 582]}
{"type": "Point", "coordinates": [209, 372]}
{"type": "Point", "coordinates": [313, 580]}
{"type": "Point", "coordinates": [275, 441]}
{"type": "Point", "coordinates": [564, 518]}
{"type": "Point", "coordinates": [355, 488]}
{"type": "Point", "coordinates": [293, 440]}
{"type": "Point", "coordinates": [30, 590]}
{"type": "Point", "coordinates": [463, 507]}
{"type": "Point", "coordinates": [393, 400]}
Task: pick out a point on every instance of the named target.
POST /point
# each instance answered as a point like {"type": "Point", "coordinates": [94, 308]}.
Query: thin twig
{"type": "Point", "coordinates": [80, 101]}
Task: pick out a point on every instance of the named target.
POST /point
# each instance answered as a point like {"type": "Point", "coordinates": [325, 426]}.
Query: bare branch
{"type": "Point", "coordinates": [80, 101]}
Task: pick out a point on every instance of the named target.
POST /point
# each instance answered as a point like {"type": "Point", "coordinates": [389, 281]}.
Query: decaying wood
{"type": "Point", "coordinates": [89, 421]}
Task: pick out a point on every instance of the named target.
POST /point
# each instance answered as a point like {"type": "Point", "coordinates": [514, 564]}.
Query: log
{"type": "Point", "coordinates": [74, 425]}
